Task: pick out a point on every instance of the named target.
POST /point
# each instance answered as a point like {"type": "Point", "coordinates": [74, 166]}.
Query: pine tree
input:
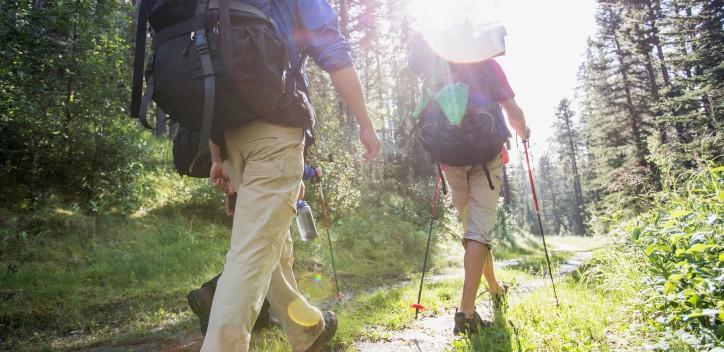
{"type": "Point", "coordinates": [566, 137]}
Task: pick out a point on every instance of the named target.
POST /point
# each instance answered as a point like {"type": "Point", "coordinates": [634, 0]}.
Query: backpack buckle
{"type": "Point", "coordinates": [202, 44]}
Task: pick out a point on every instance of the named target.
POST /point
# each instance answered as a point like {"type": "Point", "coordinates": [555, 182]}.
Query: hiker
{"type": "Point", "coordinates": [232, 73]}
{"type": "Point", "coordinates": [199, 299]}
{"type": "Point", "coordinates": [264, 167]}
{"type": "Point", "coordinates": [475, 185]}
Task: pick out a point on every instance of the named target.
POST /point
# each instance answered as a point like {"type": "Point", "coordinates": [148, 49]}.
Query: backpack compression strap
{"type": "Point", "coordinates": [202, 47]}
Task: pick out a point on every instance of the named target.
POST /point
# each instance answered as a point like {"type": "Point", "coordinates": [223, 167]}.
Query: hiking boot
{"type": "Point", "coordinates": [200, 303]}
{"type": "Point", "coordinates": [500, 300]}
{"type": "Point", "coordinates": [330, 328]}
{"type": "Point", "coordinates": [464, 325]}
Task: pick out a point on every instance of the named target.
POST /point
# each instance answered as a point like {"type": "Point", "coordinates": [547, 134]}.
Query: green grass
{"type": "Point", "coordinates": [601, 310]}
{"type": "Point", "coordinates": [583, 322]}
{"type": "Point", "coordinates": [589, 318]}
{"type": "Point", "coordinates": [74, 280]}
{"type": "Point", "coordinates": [129, 273]}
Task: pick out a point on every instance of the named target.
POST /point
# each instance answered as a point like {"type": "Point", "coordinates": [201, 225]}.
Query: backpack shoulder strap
{"type": "Point", "coordinates": [139, 56]}
{"type": "Point", "coordinates": [202, 47]}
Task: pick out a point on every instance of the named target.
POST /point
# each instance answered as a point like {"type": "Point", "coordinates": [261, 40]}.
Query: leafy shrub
{"type": "Point", "coordinates": [64, 133]}
{"type": "Point", "coordinates": [682, 239]}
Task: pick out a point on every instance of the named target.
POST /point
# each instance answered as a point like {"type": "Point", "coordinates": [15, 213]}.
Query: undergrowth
{"type": "Point", "coordinates": [681, 238]}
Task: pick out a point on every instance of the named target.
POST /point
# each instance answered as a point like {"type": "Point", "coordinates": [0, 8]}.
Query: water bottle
{"type": "Point", "coordinates": [305, 221]}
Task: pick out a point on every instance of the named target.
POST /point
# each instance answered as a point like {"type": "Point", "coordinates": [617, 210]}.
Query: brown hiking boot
{"type": "Point", "coordinates": [200, 303]}
{"type": "Point", "coordinates": [464, 325]}
{"type": "Point", "coordinates": [330, 328]}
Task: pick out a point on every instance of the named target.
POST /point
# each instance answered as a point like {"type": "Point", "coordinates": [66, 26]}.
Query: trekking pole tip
{"type": "Point", "coordinates": [418, 308]}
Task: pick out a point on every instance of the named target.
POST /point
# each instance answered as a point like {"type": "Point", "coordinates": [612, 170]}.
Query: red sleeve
{"type": "Point", "coordinates": [501, 87]}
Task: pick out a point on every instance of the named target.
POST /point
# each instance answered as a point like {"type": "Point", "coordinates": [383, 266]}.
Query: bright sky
{"type": "Point", "coordinates": [545, 46]}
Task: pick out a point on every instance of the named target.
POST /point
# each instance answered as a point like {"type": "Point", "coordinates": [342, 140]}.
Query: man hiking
{"type": "Point", "coordinates": [200, 299]}
{"type": "Point", "coordinates": [475, 187]}
{"type": "Point", "coordinates": [264, 167]}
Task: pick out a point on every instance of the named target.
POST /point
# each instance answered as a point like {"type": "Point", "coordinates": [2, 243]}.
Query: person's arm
{"type": "Point", "coordinates": [503, 94]}
{"type": "Point", "coordinates": [346, 83]}
{"type": "Point", "coordinates": [516, 118]}
{"type": "Point", "coordinates": [328, 48]}
{"type": "Point", "coordinates": [311, 173]}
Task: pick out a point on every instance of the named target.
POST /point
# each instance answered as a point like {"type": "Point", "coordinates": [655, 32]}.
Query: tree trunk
{"type": "Point", "coordinates": [654, 10]}
{"type": "Point", "coordinates": [633, 115]}
{"type": "Point", "coordinates": [644, 49]}
{"type": "Point", "coordinates": [578, 215]}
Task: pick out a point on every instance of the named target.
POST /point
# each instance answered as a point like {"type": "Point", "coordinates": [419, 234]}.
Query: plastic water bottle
{"type": "Point", "coordinates": [305, 221]}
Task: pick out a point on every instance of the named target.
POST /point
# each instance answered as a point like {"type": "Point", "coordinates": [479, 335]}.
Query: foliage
{"type": "Point", "coordinates": [62, 99]}
{"type": "Point", "coordinates": [649, 99]}
{"type": "Point", "coordinates": [682, 239]}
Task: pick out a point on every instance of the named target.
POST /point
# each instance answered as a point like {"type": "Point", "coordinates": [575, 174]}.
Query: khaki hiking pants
{"type": "Point", "coordinates": [476, 203]}
{"type": "Point", "coordinates": [266, 164]}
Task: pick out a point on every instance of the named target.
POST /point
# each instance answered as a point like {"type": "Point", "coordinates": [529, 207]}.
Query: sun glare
{"type": "Point", "coordinates": [437, 15]}
{"type": "Point", "coordinates": [461, 30]}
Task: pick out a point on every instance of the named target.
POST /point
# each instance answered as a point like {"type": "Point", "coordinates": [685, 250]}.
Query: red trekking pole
{"type": "Point", "coordinates": [540, 223]}
{"type": "Point", "coordinates": [436, 196]}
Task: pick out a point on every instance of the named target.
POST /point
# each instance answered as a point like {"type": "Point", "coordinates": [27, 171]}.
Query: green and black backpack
{"type": "Point", "coordinates": [451, 132]}
{"type": "Point", "coordinates": [214, 65]}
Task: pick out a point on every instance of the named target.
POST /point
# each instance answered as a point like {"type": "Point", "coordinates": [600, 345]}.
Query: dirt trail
{"type": "Point", "coordinates": [434, 333]}
{"type": "Point", "coordinates": [430, 333]}
{"type": "Point", "coordinates": [183, 341]}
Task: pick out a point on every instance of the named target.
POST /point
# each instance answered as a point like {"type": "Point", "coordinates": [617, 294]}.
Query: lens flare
{"type": "Point", "coordinates": [317, 278]}
{"type": "Point", "coordinates": [460, 31]}
{"type": "Point", "coordinates": [303, 314]}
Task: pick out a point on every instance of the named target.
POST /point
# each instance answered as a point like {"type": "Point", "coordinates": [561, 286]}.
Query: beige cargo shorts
{"type": "Point", "coordinates": [476, 203]}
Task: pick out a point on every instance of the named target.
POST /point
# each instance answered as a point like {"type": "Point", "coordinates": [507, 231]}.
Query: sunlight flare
{"type": "Point", "coordinates": [302, 314]}
{"type": "Point", "coordinates": [460, 31]}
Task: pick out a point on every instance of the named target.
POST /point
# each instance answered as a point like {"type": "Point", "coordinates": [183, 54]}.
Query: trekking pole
{"type": "Point", "coordinates": [327, 225]}
{"type": "Point", "coordinates": [540, 223]}
{"type": "Point", "coordinates": [418, 307]}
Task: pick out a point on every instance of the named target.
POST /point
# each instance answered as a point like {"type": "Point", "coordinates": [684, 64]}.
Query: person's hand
{"type": "Point", "coordinates": [230, 204]}
{"type": "Point", "coordinates": [220, 179]}
{"type": "Point", "coordinates": [318, 172]}
{"type": "Point", "coordinates": [368, 137]}
{"type": "Point", "coordinates": [524, 133]}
